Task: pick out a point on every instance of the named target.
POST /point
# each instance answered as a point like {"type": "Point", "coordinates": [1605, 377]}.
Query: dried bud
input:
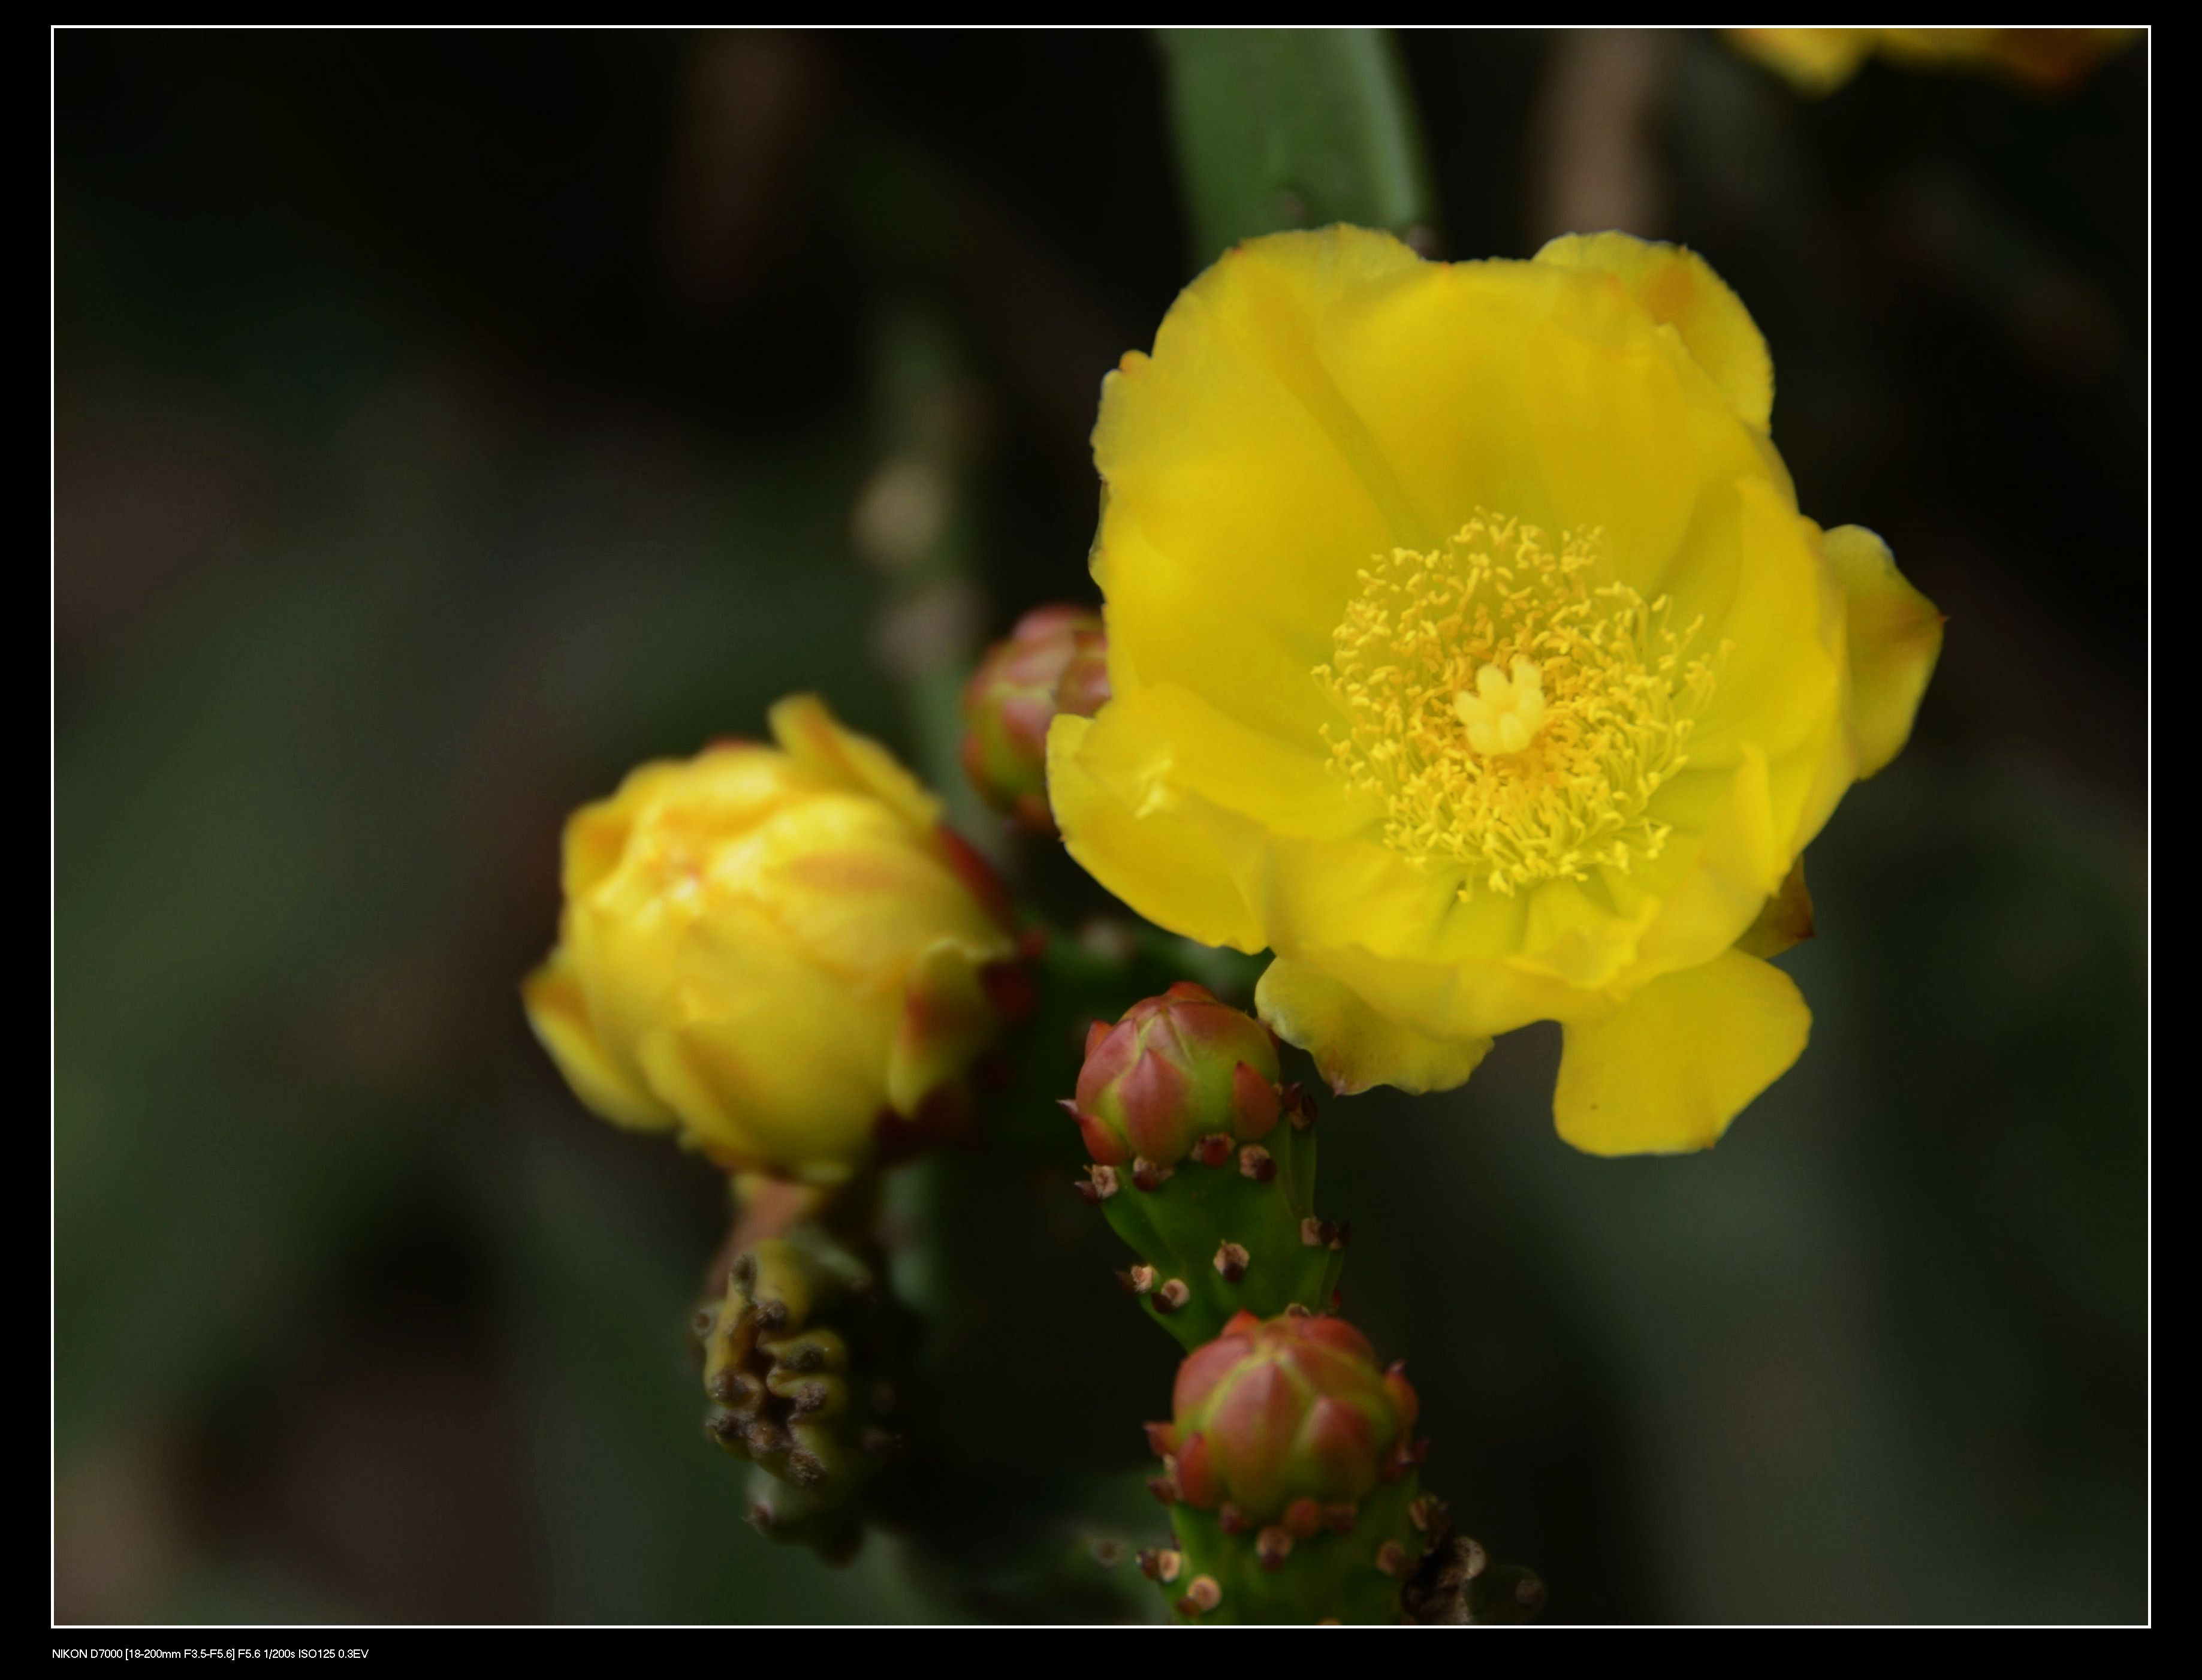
{"type": "Point", "coordinates": [1176, 1072]}
{"type": "Point", "coordinates": [787, 1366]}
{"type": "Point", "coordinates": [1055, 660]}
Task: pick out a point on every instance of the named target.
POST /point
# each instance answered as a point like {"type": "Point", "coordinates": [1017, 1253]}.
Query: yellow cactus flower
{"type": "Point", "coordinates": [1469, 651]}
{"type": "Point", "coordinates": [1820, 61]}
{"type": "Point", "coordinates": [779, 952]}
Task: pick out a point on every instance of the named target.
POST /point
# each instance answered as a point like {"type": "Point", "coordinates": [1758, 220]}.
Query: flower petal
{"type": "Point", "coordinates": [1668, 1070]}
{"type": "Point", "coordinates": [596, 835]}
{"type": "Point", "coordinates": [1679, 289]}
{"type": "Point", "coordinates": [815, 738]}
{"type": "Point", "coordinates": [1353, 1046]}
{"type": "Point", "coordinates": [1895, 638]}
{"type": "Point", "coordinates": [778, 1063]}
{"type": "Point", "coordinates": [1772, 612]}
{"type": "Point", "coordinates": [1537, 394]}
{"type": "Point", "coordinates": [1286, 787]}
{"type": "Point", "coordinates": [1113, 802]}
{"type": "Point", "coordinates": [1241, 490]}
{"type": "Point", "coordinates": [840, 874]}
{"type": "Point", "coordinates": [1739, 862]}
{"type": "Point", "coordinates": [560, 1015]}
{"type": "Point", "coordinates": [946, 1021]}
{"type": "Point", "coordinates": [1816, 61]}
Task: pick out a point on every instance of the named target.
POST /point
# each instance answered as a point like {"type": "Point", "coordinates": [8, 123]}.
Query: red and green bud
{"type": "Point", "coordinates": [1286, 1421]}
{"type": "Point", "coordinates": [1083, 688]}
{"type": "Point", "coordinates": [1177, 1071]}
{"type": "Point", "coordinates": [1203, 1166]}
{"type": "Point", "coordinates": [1291, 1467]}
{"type": "Point", "coordinates": [1056, 659]}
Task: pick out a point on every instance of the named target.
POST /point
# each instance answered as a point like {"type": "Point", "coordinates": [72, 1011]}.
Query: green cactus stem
{"type": "Point", "coordinates": [1232, 1227]}
{"type": "Point", "coordinates": [1276, 1574]}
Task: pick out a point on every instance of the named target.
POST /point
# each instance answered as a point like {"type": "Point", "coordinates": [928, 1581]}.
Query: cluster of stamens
{"type": "Point", "coordinates": [1512, 706]}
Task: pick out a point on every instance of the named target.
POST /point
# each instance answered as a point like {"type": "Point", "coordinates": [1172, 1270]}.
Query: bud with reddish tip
{"type": "Point", "coordinates": [1083, 688]}
{"type": "Point", "coordinates": [1179, 1106]}
{"type": "Point", "coordinates": [1292, 1461]}
{"type": "Point", "coordinates": [1293, 1408]}
{"type": "Point", "coordinates": [1176, 1070]}
{"type": "Point", "coordinates": [1056, 659]}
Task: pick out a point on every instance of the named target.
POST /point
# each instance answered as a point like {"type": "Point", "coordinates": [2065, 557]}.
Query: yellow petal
{"type": "Point", "coordinates": [1816, 61]}
{"type": "Point", "coordinates": [837, 875]}
{"type": "Point", "coordinates": [1241, 490]}
{"type": "Point", "coordinates": [596, 835]}
{"type": "Point", "coordinates": [813, 737]}
{"type": "Point", "coordinates": [1353, 1046]}
{"type": "Point", "coordinates": [1357, 891]}
{"type": "Point", "coordinates": [1538, 394]}
{"type": "Point", "coordinates": [1807, 783]}
{"type": "Point", "coordinates": [1282, 784]}
{"type": "Point", "coordinates": [772, 1063]}
{"type": "Point", "coordinates": [1738, 862]}
{"type": "Point", "coordinates": [1122, 820]}
{"type": "Point", "coordinates": [1679, 289]}
{"type": "Point", "coordinates": [1455, 1002]}
{"type": "Point", "coordinates": [1572, 934]}
{"type": "Point", "coordinates": [946, 1023]}
{"type": "Point", "coordinates": [559, 1016]}
{"type": "Point", "coordinates": [1895, 637]}
{"type": "Point", "coordinates": [1668, 1070]}
{"type": "Point", "coordinates": [1772, 614]}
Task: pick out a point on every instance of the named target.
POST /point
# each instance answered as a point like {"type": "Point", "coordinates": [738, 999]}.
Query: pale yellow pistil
{"type": "Point", "coordinates": [1503, 713]}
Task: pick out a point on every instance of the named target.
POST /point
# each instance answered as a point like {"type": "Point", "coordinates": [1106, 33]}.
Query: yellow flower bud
{"type": "Point", "coordinates": [778, 951]}
{"type": "Point", "coordinates": [2047, 60]}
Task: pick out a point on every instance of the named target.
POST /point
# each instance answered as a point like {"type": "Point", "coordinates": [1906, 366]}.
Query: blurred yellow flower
{"type": "Point", "coordinates": [1820, 61]}
{"type": "Point", "coordinates": [1470, 652]}
{"type": "Point", "coordinates": [779, 951]}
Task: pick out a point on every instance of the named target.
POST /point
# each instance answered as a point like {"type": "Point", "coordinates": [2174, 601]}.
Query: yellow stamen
{"type": "Point", "coordinates": [1512, 707]}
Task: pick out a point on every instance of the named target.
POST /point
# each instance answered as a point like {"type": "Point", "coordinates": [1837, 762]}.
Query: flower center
{"type": "Point", "coordinates": [1503, 716]}
{"type": "Point", "coordinates": [1512, 706]}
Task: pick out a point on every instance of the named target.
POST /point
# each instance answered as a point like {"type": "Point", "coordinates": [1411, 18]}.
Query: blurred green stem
{"type": "Point", "coordinates": [916, 524]}
{"type": "Point", "coordinates": [1280, 128]}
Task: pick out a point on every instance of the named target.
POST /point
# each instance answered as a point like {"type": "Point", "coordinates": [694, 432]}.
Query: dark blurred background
{"type": "Point", "coordinates": [446, 422]}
